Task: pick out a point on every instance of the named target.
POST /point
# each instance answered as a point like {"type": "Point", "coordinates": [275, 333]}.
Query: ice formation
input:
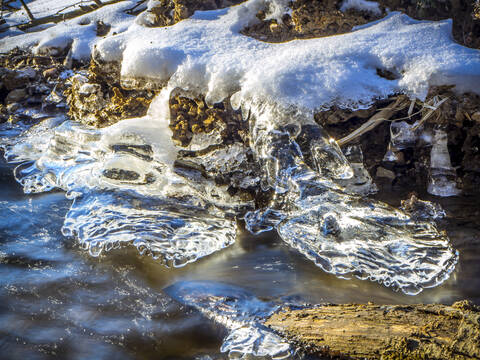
{"type": "Point", "coordinates": [442, 174]}
{"type": "Point", "coordinates": [240, 312]}
{"type": "Point", "coordinates": [126, 188]}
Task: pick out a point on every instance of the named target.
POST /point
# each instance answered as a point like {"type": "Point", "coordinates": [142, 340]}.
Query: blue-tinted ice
{"type": "Point", "coordinates": [126, 190]}
{"type": "Point", "coordinates": [240, 312]}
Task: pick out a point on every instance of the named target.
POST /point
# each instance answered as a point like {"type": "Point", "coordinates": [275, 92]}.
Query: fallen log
{"type": "Point", "coordinates": [383, 331]}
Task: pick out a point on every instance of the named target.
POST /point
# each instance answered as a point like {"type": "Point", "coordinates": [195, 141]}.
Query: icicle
{"type": "Point", "coordinates": [442, 175]}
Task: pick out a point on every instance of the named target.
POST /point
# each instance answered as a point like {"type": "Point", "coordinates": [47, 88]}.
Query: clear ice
{"type": "Point", "coordinates": [344, 234]}
{"type": "Point", "coordinates": [240, 312]}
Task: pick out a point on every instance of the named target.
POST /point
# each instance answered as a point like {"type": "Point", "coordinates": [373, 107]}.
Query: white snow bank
{"type": "Point", "coordinates": [362, 5]}
{"type": "Point", "coordinates": [207, 54]}
{"type": "Point", "coordinates": [80, 32]}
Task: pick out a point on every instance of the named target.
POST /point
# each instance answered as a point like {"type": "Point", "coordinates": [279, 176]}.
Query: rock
{"type": "Point", "coordinates": [14, 79]}
{"type": "Point", "coordinates": [102, 28]}
{"type": "Point", "coordinates": [11, 108]}
{"type": "Point", "coordinates": [50, 73]}
{"type": "Point", "coordinates": [476, 116]}
{"type": "Point", "coordinates": [16, 95]}
{"type": "Point", "coordinates": [383, 173]}
{"type": "Point", "coordinates": [28, 72]}
{"type": "Point", "coordinates": [94, 105]}
{"type": "Point", "coordinates": [422, 210]}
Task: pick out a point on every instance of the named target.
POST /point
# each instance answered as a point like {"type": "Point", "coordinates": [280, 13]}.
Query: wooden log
{"type": "Point", "coordinates": [383, 331]}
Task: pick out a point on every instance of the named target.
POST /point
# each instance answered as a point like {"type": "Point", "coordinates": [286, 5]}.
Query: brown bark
{"type": "Point", "coordinates": [384, 331]}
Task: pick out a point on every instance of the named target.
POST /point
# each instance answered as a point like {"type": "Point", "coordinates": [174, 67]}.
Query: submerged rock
{"type": "Point", "coordinates": [421, 209]}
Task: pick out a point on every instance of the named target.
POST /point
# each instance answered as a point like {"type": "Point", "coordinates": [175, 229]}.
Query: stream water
{"type": "Point", "coordinates": [57, 301]}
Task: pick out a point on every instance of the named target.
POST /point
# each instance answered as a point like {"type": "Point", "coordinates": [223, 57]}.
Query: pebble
{"type": "Point", "coordinates": [16, 96]}
{"type": "Point", "coordinates": [50, 72]}
{"type": "Point", "coordinates": [385, 174]}
{"type": "Point", "coordinates": [476, 116]}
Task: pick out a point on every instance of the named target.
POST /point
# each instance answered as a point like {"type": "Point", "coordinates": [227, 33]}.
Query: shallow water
{"type": "Point", "coordinates": [56, 301]}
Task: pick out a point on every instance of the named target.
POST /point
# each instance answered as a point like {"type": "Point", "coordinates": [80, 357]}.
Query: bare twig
{"type": "Point", "coordinates": [61, 17]}
{"type": "Point", "coordinates": [29, 13]}
{"type": "Point", "coordinates": [375, 120]}
{"type": "Point", "coordinates": [130, 11]}
{"type": "Point", "coordinates": [436, 104]}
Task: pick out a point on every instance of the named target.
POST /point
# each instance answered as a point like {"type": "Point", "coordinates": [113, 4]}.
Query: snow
{"type": "Point", "coordinates": [81, 31]}
{"type": "Point", "coordinates": [362, 5]}
{"type": "Point", "coordinates": [207, 54]}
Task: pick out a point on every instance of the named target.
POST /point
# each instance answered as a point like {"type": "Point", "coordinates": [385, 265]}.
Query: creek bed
{"type": "Point", "coordinates": [56, 301]}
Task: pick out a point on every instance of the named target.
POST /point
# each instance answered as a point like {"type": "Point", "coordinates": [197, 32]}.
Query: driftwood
{"type": "Point", "coordinates": [384, 331]}
{"type": "Point", "coordinates": [69, 15]}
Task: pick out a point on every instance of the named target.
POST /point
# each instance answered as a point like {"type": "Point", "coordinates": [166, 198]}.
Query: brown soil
{"type": "Point", "coordinates": [31, 81]}
{"type": "Point", "coordinates": [169, 12]}
{"type": "Point", "coordinates": [316, 18]}
{"type": "Point", "coordinates": [104, 105]}
{"type": "Point", "coordinates": [309, 19]}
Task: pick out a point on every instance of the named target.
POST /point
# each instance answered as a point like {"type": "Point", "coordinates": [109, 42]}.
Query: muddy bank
{"type": "Point", "coordinates": [383, 332]}
{"type": "Point", "coordinates": [316, 18]}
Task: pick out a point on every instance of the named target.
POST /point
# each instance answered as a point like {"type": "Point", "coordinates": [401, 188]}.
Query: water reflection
{"type": "Point", "coordinates": [57, 301]}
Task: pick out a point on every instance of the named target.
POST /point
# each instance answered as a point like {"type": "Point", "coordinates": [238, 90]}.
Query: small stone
{"type": "Point", "coordinates": [29, 72]}
{"type": "Point", "coordinates": [385, 174]}
{"type": "Point", "coordinates": [50, 73]}
{"type": "Point", "coordinates": [13, 79]}
{"type": "Point", "coordinates": [11, 108]}
{"type": "Point", "coordinates": [476, 116]}
{"type": "Point", "coordinates": [16, 96]}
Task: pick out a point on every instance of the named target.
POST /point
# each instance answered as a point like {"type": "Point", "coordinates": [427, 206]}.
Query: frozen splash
{"type": "Point", "coordinates": [123, 188]}
{"type": "Point", "coordinates": [343, 233]}
{"type": "Point", "coordinates": [240, 312]}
